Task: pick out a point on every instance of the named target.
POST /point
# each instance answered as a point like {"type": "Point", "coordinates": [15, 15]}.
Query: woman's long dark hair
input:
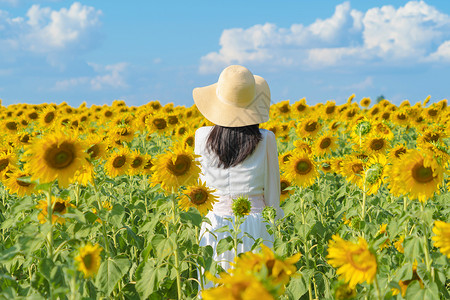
{"type": "Point", "coordinates": [233, 144]}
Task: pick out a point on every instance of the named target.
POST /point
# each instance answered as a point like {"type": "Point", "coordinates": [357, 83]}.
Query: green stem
{"type": "Point", "coordinates": [428, 260]}
{"type": "Point", "coordinates": [49, 215]}
{"type": "Point", "coordinates": [105, 235]}
{"type": "Point", "coordinates": [377, 286]}
{"type": "Point", "coordinates": [177, 260]}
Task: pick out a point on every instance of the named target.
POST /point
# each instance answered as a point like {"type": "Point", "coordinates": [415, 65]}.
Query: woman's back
{"type": "Point", "coordinates": [256, 177]}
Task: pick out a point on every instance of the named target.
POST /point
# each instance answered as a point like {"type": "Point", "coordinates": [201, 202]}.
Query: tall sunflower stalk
{"type": "Point", "coordinates": [174, 223]}
{"type": "Point", "coordinates": [105, 235]}
{"type": "Point", "coordinates": [241, 207]}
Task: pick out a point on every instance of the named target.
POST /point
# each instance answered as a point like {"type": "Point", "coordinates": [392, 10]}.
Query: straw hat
{"type": "Point", "coordinates": [237, 99]}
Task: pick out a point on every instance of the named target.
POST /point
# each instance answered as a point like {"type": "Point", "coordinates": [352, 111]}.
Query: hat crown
{"type": "Point", "coordinates": [236, 85]}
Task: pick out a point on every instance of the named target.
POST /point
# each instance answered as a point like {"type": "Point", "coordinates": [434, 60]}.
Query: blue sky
{"type": "Point", "coordinates": [139, 51]}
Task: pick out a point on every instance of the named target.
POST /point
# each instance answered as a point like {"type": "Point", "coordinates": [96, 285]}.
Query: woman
{"type": "Point", "coordinates": [237, 158]}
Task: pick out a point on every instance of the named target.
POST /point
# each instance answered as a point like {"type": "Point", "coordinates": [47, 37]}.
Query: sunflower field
{"type": "Point", "coordinates": [104, 202]}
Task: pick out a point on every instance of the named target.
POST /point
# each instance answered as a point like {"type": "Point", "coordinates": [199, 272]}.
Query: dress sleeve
{"type": "Point", "coordinates": [272, 176]}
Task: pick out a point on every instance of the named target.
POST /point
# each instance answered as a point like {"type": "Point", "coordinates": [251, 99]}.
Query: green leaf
{"type": "Point", "coordinates": [225, 228]}
{"type": "Point", "coordinates": [413, 248]}
{"type": "Point", "coordinates": [164, 246]}
{"type": "Point", "coordinates": [110, 272]}
{"type": "Point", "coordinates": [116, 215]}
{"type": "Point", "coordinates": [150, 276]}
{"type": "Point", "coordinates": [415, 292]}
{"type": "Point", "coordinates": [224, 245]}
{"type": "Point", "coordinates": [192, 216]}
{"type": "Point", "coordinates": [298, 286]}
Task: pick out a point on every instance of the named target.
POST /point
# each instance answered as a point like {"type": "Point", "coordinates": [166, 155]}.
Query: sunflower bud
{"type": "Point", "coordinates": [241, 206]}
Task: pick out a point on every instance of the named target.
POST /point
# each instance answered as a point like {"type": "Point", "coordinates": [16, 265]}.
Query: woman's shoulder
{"type": "Point", "coordinates": [265, 133]}
{"type": "Point", "coordinates": [203, 130]}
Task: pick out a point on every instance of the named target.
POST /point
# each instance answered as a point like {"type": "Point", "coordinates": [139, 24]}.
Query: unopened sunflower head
{"type": "Point", "coordinates": [241, 206]}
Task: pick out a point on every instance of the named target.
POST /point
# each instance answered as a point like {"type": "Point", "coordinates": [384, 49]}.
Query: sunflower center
{"type": "Point", "coordinates": [375, 111]}
{"type": "Point", "coordinates": [270, 264]}
{"type": "Point", "coordinates": [87, 261]}
{"type": "Point", "coordinates": [357, 168]}
{"type": "Point", "coordinates": [94, 151]}
{"type": "Point", "coordinates": [377, 144]}
{"type": "Point", "coordinates": [301, 107]}
{"type": "Point", "coordinates": [421, 173]}
{"type": "Point", "coordinates": [60, 157]}
{"type": "Point", "coordinates": [431, 137]}
{"type": "Point", "coordinates": [181, 130]}
{"type": "Point", "coordinates": [286, 157]}
{"type": "Point", "coordinates": [119, 161]}
{"type": "Point", "coordinates": [190, 141]}
{"type": "Point", "coordinates": [59, 207]}
{"type": "Point", "coordinates": [33, 116]}
{"type": "Point", "coordinates": [148, 165]}
{"type": "Point", "coordinates": [108, 113]}
{"type": "Point", "coordinates": [238, 288]}
{"type": "Point", "coordinates": [125, 132]}
{"type": "Point", "coordinates": [3, 163]}
{"type": "Point", "coordinates": [419, 120]}
{"type": "Point", "coordinates": [386, 115]}
{"type": "Point", "coordinates": [401, 116]}
{"type": "Point", "coordinates": [356, 259]}
{"type": "Point", "coordinates": [283, 185]}
{"type": "Point", "coordinates": [351, 114]}
{"type": "Point", "coordinates": [181, 166]}
{"type": "Point", "coordinates": [11, 125]}
{"type": "Point", "coordinates": [199, 196]}
{"type": "Point", "coordinates": [25, 138]}
{"type": "Point", "coordinates": [330, 109]}
{"type": "Point", "coordinates": [137, 162]}
{"type": "Point", "coordinates": [399, 152]}
{"type": "Point", "coordinates": [311, 126]}
{"type": "Point", "coordinates": [326, 166]}
{"type": "Point", "coordinates": [325, 143]}
{"type": "Point", "coordinates": [160, 123]}
{"type": "Point", "coordinates": [432, 112]}
{"type": "Point", "coordinates": [303, 167]}
{"type": "Point", "coordinates": [284, 108]}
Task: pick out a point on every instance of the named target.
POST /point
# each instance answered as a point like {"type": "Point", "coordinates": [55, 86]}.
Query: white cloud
{"type": "Point", "coordinates": [410, 33]}
{"type": "Point", "coordinates": [109, 76]}
{"type": "Point", "coordinates": [46, 31]}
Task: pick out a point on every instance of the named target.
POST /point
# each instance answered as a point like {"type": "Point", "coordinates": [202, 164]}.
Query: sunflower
{"type": "Point", "coordinates": [14, 183]}
{"type": "Point", "coordinates": [279, 270]}
{"type": "Point", "coordinates": [400, 117]}
{"type": "Point", "coordinates": [284, 158]}
{"type": "Point", "coordinates": [8, 160]}
{"type": "Point", "coordinates": [374, 173]}
{"type": "Point", "coordinates": [329, 110]}
{"type": "Point", "coordinates": [175, 168]}
{"type": "Point", "coordinates": [118, 163]}
{"type": "Point", "coordinates": [326, 166]}
{"type": "Point", "coordinates": [241, 206]}
{"type": "Point", "coordinates": [353, 168]}
{"type": "Point", "coordinates": [106, 205]}
{"type": "Point", "coordinates": [432, 134]}
{"type": "Point", "coordinates": [419, 175]}
{"type": "Point", "coordinates": [96, 148]}
{"type": "Point", "coordinates": [324, 145]}
{"type": "Point", "coordinates": [383, 130]}
{"type": "Point", "coordinates": [334, 126]}
{"type": "Point", "coordinates": [239, 286]}
{"type": "Point", "coordinates": [300, 107]}
{"type": "Point", "coordinates": [60, 207]}
{"type": "Point", "coordinates": [301, 145]}
{"type": "Point", "coordinates": [397, 152]}
{"type": "Point", "coordinates": [281, 109]}
{"type": "Point", "coordinates": [56, 156]}
{"type": "Point", "coordinates": [301, 169]}
{"type": "Point", "coordinates": [308, 127]}
{"type": "Point", "coordinates": [365, 102]}
{"type": "Point", "coordinates": [89, 259]}
{"type": "Point", "coordinates": [148, 164]}
{"type": "Point", "coordinates": [375, 145]}
{"type": "Point", "coordinates": [442, 237]}
{"type": "Point", "coordinates": [399, 244]}
{"type": "Point", "coordinates": [124, 133]}
{"type": "Point", "coordinates": [188, 139]}
{"type": "Point", "coordinates": [199, 196]}
{"type": "Point", "coordinates": [355, 262]}
{"type": "Point", "coordinates": [284, 193]}
{"type": "Point", "coordinates": [157, 123]}
{"type": "Point", "coordinates": [137, 163]}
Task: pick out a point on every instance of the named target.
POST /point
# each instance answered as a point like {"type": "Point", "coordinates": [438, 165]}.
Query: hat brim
{"type": "Point", "coordinates": [225, 114]}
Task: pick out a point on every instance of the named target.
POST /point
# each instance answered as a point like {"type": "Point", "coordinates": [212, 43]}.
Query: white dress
{"type": "Point", "coordinates": [257, 177]}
